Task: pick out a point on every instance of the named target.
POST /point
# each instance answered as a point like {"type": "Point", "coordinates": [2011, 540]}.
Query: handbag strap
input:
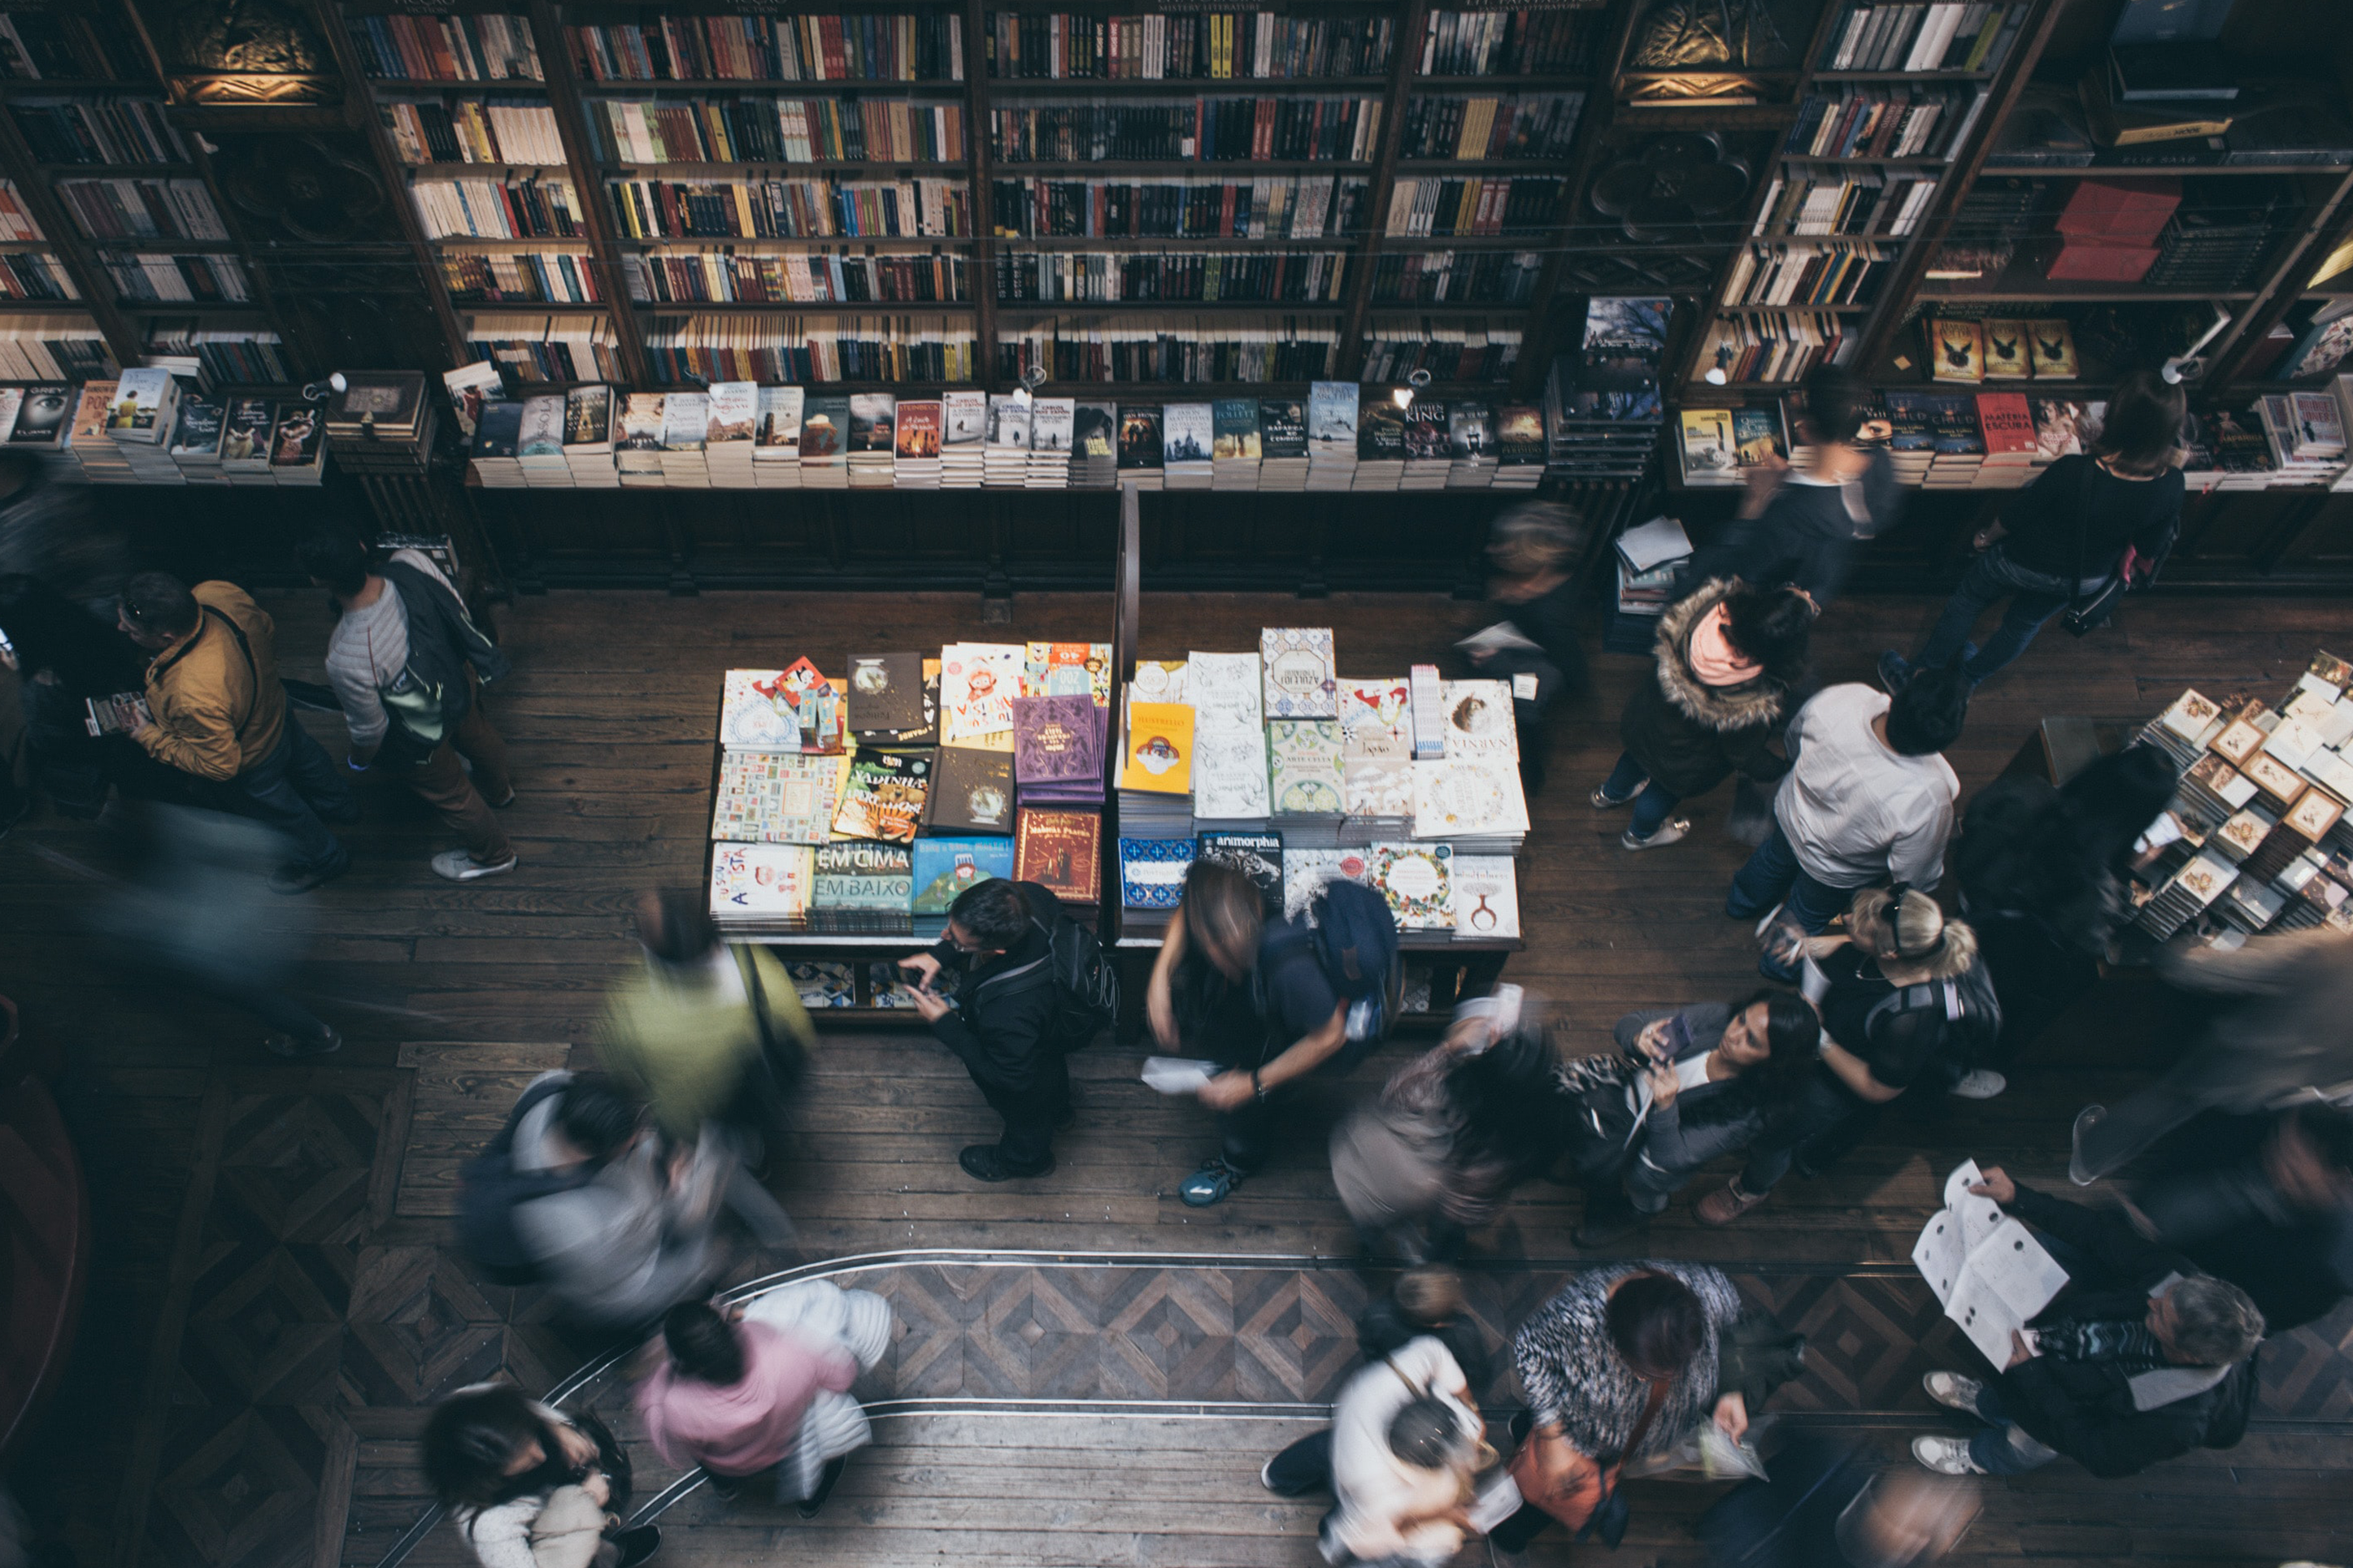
{"type": "Point", "coordinates": [1650, 1404]}
{"type": "Point", "coordinates": [2083, 522]}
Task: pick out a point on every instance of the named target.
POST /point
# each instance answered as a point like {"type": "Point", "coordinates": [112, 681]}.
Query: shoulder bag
{"type": "Point", "coordinates": [2089, 613]}
{"type": "Point", "coordinates": [1577, 1488]}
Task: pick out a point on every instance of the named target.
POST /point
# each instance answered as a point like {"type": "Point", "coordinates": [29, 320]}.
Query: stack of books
{"type": "Point", "coordinates": [1187, 442]}
{"type": "Point", "coordinates": [490, 455]}
{"type": "Point", "coordinates": [382, 422]}
{"type": "Point", "coordinates": [248, 424]}
{"type": "Point", "coordinates": [1911, 434]}
{"type": "Point", "coordinates": [917, 444]}
{"type": "Point", "coordinates": [1428, 448]}
{"type": "Point", "coordinates": [145, 407]}
{"type": "Point", "coordinates": [1094, 445]}
{"type": "Point", "coordinates": [2306, 431]}
{"type": "Point", "coordinates": [873, 440]}
{"type": "Point", "coordinates": [195, 447]}
{"type": "Point", "coordinates": [1332, 436]}
{"type": "Point", "coordinates": [1380, 442]}
{"type": "Point", "coordinates": [1471, 797]}
{"type": "Point", "coordinates": [1231, 780]}
{"type": "Point", "coordinates": [963, 436]}
{"type": "Point", "coordinates": [1377, 756]}
{"type": "Point", "coordinates": [1470, 446]}
{"type": "Point", "coordinates": [776, 444]}
{"type": "Point", "coordinates": [1959, 450]}
{"type": "Point", "coordinates": [1283, 462]}
{"type": "Point", "coordinates": [1602, 410]}
{"type": "Point", "coordinates": [1719, 446]}
{"type": "Point", "coordinates": [637, 439]}
{"type": "Point", "coordinates": [1520, 446]}
{"type": "Point", "coordinates": [588, 438]}
{"type": "Point", "coordinates": [686, 422]}
{"type": "Point", "coordinates": [1155, 773]}
{"type": "Point", "coordinates": [731, 427]}
{"type": "Point", "coordinates": [1236, 444]}
{"type": "Point", "coordinates": [539, 446]}
{"type": "Point", "coordinates": [1139, 446]}
{"type": "Point", "coordinates": [1647, 557]}
{"type": "Point", "coordinates": [298, 445]}
{"type": "Point", "coordinates": [825, 444]}
{"type": "Point", "coordinates": [1053, 421]}
{"type": "Point", "coordinates": [2007, 423]}
{"type": "Point", "coordinates": [1005, 463]}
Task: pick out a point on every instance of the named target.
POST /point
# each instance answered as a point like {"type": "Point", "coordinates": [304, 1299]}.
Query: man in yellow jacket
{"type": "Point", "coordinates": [219, 716]}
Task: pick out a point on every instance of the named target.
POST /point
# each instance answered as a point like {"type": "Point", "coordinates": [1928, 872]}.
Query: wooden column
{"type": "Point", "coordinates": [1403, 60]}
{"type": "Point", "coordinates": [588, 186]}
{"type": "Point", "coordinates": [979, 175]}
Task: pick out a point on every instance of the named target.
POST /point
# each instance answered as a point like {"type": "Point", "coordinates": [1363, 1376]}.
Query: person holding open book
{"type": "Point", "coordinates": [2140, 1359]}
{"type": "Point", "coordinates": [1533, 551]}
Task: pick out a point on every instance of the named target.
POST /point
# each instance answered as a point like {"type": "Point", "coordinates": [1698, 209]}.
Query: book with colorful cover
{"type": "Point", "coordinates": [1911, 422]}
{"type": "Point", "coordinates": [1757, 435]}
{"type": "Point", "coordinates": [978, 682]}
{"type": "Point", "coordinates": [1257, 855]}
{"type": "Point", "coordinates": [755, 715]}
{"type": "Point", "coordinates": [1139, 438]}
{"type": "Point", "coordinates": [1234, 430]}
{"type": "Point", "coordinates": [1305, 776]}
{"type": "Point", "coordinates": [1152, 872]}
{"type": "Point", "coordinates": [860, 875]}
{"type": "Point", "coordinates": [1377, 717]}
{"type": "Point", "coordinates": [1479, 719]}
{"type": "Point", "coordinates": [2007, 355]}
{"type": "Point", "coordinates": [1956, 350]}
{"type": "Point", "coordinates": [767, 882]}
{"type": "Point", "coordinates": [2051, 349]}
{"type": "Point", "coordinates": [944, 867]}
{"type": "Point", "coordinates": [1159, 755]}
{"type": "Point", "coordinates": [1062, 668]}
{"type": "Point", "coordinates": [1061, 851]}
{"type": "Point", "coordinates": [884, 797]}
{"type": "Point", "coordinates": [972, 791]}
{"type": "Point", "coordinates": [2007, 423]}
{"type": "Point", "coordinates": [1955, 416]}
{"type": "Point", "coordinates": [825, 432]}
{"type": "Point", "coordinates": [1295, 667]}
{"type": "Point", "coordinates": [918, 436]}
{"type": "Point", "coordinates": [1707, 447]}
{"type": "Point", "coordinates": [873, 421]}
{"type": "Point", "coordinates": [774, 798]}
{"type": "Point", "coordinates": [816, 703]}
{"type": "Point", "coordinates": [1057, 741]}
{"type": "Point", "coordinates": [1418, 881]}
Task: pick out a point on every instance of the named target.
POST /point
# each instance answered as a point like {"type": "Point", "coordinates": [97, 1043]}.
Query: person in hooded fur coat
{"type": "Point", "coordinates": [1727, 657]}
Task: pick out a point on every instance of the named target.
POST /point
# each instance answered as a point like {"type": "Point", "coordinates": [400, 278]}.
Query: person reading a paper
{"type": "Point", "coordinates": [2139, 1359]}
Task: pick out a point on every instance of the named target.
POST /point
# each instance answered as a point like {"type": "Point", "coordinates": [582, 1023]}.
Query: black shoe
{"type": "Point", "coordinates": [638, 1544]}
{"type": "Point", "coordinates": [727, 1489]}
{"type": "Point", "coordinates": [1520, 1426]}
{"type": "Point", "coordinates": [1895, 673]}
{"type": "Point", "coordinates": [982, 1162]}
{"type": "Point", "coordinates": [294, 1046]}
{"type": "Point", "coordinates": [344, 816]}
{"type": "Point", "coordinates": [806, 1507]}
{"type": "Point", "coordinates": [1066, 1117]}
{"type": "Point", "coordinates": [297, 879]}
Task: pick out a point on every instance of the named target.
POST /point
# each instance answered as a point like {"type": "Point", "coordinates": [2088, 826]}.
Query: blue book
{"type": "Point", "coordinates": [1152, 871]}
{"type": "Point", "coordinates": [946, 866]}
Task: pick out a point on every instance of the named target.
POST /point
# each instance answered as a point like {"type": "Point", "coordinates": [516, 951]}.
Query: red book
{"type": "Point", "coordinates": [1061, 851]}
{"type": "Point", "coordinates": [2008, 426]}
{"type": "Point", "coordinates": [2120, 212]}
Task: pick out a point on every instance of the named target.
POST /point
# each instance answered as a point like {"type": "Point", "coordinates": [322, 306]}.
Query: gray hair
{"type": "Point", "coordinates": [1535, 537]}
{"type": "Point", "coordinates": [2214, 1323]}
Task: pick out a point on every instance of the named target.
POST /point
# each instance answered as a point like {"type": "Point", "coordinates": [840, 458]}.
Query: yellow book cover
{"type": "Point", "coordinates": [1159, 749]}
{"type": "Point", "coordinates": [1959, 352]}
{"type": "Point", "coordinates": [2052, 348]}
{"type": "Point", "coordinates": [2007, 356]}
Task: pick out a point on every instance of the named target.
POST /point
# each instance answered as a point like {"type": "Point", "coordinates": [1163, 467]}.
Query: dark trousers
{"type": "Point", "coordinates": [1514, 1533]}
{"type": "Point", "coordinates": [462, 801]}
{"type": "Point", "coordinates": [1031, 1114]}
{"type": "Point", "coordinates": [1773, 875]}
{"type": "Point", "coordinates": [1993, 576]}
{"type": "Point", "coordinates": [1304, 1466]}
{"type": "Point", "coordinates": [290, 790]}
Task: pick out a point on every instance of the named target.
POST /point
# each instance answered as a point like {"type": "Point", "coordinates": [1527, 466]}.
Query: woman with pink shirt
{"type": "Point", "coordinates": [766, 1388]}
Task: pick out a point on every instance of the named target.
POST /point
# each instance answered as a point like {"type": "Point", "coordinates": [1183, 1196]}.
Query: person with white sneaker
{"type": "Point", "coordinates": [2139, 1359]}
{"type": "Point", "coordinates": [407, 665]}
{"type": "Point", "coordinates": [1727, 657]}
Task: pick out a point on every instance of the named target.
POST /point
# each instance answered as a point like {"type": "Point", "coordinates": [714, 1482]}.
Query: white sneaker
{"type": "Point", "coordinates": [1946, 1456]}
{"type": "Point", "coordinates": [461, 867]}
{"type": "Point", "coordinates": [2079, 1170]}
{"type": "Point", "coordinates": [1767, 924]}
{"type": "Point", "coordinates": [1979, 1084]}
{"type": "Point", "coordinates": [1670, 831]}
{"type": "Point", "coordinates": [1953, 1391]}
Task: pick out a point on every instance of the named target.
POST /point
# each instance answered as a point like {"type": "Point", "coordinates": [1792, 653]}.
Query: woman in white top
{"type": "Point", "coordinates": [526, 1486]}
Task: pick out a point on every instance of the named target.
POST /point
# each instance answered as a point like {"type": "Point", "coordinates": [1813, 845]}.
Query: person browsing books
{"type": "Point", "coordinates": [2089, 518]}
{"type": "Point", "coordinates": [1798, 521]}
{"type": "Point", "coordinates": [407, 665]}
{"type": "Point", "coordinates": [2140, 1359]}
{"type": "Point", "coordinates": [1002, 1021]}
{"type": "Point", "coordinates": [1532, 553]}
{"type": "Point", "coordinates": [220, 717]}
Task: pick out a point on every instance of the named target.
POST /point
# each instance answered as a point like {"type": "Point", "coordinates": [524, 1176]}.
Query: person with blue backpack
{"type": "Point", "coordinates": [1032, 984]}
{"type": "Point", "coordinates": [1269, 1002]}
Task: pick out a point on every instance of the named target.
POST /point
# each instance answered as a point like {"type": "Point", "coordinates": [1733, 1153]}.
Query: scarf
{"type": "Point", "coordinates": [2129, 1345]}
{"type": "Point", "coordinates": [1712, 656]}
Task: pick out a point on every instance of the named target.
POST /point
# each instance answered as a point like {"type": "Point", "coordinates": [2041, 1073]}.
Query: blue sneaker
{"type": "Point", "coordinates": [1209, 1185]}
{"type": "Point", "coordinates": [1895, 671]}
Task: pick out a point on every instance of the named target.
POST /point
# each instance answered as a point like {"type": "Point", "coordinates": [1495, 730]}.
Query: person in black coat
{"type": "Point", "coordinates": [2267, 1203]}
{"type": "Point", "coordinates": [1000, 1024]}
{"type": "Point", "coordinates": [64, 656]}
{"type": "Point", "coordinates": [2141, 1358]}
{"type": "Point", "coordinates": [1726, 658]}
{"type": "Point", "coordinates": [1798, 523]}
{"type": "Point", "coordinates": [1533, 550]}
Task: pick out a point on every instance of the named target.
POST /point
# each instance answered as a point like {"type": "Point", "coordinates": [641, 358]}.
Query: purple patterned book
{"type": "Point", "coordinates": [1057, 741]}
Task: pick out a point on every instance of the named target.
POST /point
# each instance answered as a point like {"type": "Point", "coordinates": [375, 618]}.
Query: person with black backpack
{"type": "Point", "coordinates": [1269, 1002]}
{"type": "Point", "coordinates": [407, 664]}
{"type": "Point", "coordinates": [1907, 1008]}
{"type": "Point", "coordinates": [1032, 984]}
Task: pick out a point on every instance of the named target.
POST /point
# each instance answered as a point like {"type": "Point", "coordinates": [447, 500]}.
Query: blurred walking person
{"type": "Point", "coordinates": [529, 1487]}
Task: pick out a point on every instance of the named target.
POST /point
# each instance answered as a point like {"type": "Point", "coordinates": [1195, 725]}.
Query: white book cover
{"type": "Point", "coordinates": [1306, 871]}
{"type": "Point", "coordinates": [978, 682]}
{"type": "Point", "coordinates": [779, 433]}
{"type": "Point", "coordinates": [686, 420]}
{"type": "Point", "coordinates": [1050, 426]}
{"type": "Point", "coordinates": [731, 413]}
{"type": "Point", "coordinates": [1486, 896]}
{"type": "Point", "coordinates": [542, 435]}
{"type": "Point", "coordinates": [1008, 423]}
{"type": "Point", "coordinates": [1652, 543]}
{"type": "Point", "coordinates": [1987, 1269]}
{"type": "Point", "coordinates": [1479, 719]}
{"type": "Point", "coordinates": [1379, 787]}
{"type": "Point", "coordinates": [754, 715]}
{"type": "Point", "coordinates": [1468, 797]}
{"type": "Point", "coordinates": [1297, 666]}
{"type": "Point", "coordinates": [1224, 690]}
{"type": "Point", "coordinates": [963, 419]}
{"type": "Point", "coordinates": [1229, 778]}
{"type": "Point", "coordinates": [1377, 716]}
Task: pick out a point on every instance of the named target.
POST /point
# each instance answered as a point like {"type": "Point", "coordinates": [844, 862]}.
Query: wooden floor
{"type": "Point", "coordinates": [272, 1304]}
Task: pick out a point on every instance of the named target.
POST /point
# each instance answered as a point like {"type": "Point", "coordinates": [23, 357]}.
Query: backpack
{"type": "Point", "coordinates": [1605, 1110]}
{"type": "Point", "coordinates": [431, 694]}
{"type": "Point", "coordinates": [1085, 981]}
{"type": "Point", "coordinates": [1353, 938]}
{"type": "Point", "coordinates": [490, 1187]}
{"type": "Point", "coordinates": [1972, 1016]}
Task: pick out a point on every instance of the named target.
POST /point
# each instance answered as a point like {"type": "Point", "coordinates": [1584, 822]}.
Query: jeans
{"type": "Point", "coordinates": [290, 789]}
{"type": "Point", "coordinates": [2034, 597]}
{"type": "Point", "coordinates": [1773, 875]}
{"type": "Point", "coordinates": [463, 802]}
{"type": "Point", "coordinates": [1651, 806]}
{"type": "Point", "coordinates": [2003, 1448]}
{"type": "Point", "coordinates": [1823, 1104]}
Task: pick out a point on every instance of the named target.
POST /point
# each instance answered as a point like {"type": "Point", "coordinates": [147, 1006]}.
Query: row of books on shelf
{"type": "Point", "coordinates": [483, 48]}
{"type": "Point", "coordinates": [1993, 348]}
{"type": "Point", "coordinates": [16, 221]}
{"type": "Point", "coordinates": [737, 434]}
{"type": "Point", "coordinates": [2255, 837]}
{"type": "Point", "coordinates": [200, 278]}
{"type": "Point", "coordinates": [142, 209]}
{"type": "Point", "coordinates": [1428, 206]}
{"type": "Point", "coordinates": [790, 209]}
{"type": "Point", "coordinates": [802, 277]}
{"type": "Point", "coordinates": [32, 275]}
{"type": "Point", "coordinates": [530, 207]}
{"type": "Point", "coordinates": [1457, 278]}
{"type": "Point", "coordinates": [853, 47]}
{"type": "Point", "coordinates": [1223, 46]}
{"type": "Point", "coordinates": [563, 277]}
{"type": "Point", "coordinates": [1511, 125]}
{"type": "Point", "coordinates": [146, 427]}
{"type": "Point", "coordinates": [1781, 273]}
{"type": "Point", "coordinates": [1777, 345]}
{"type": "Point", "coordinates": [1913, 36]}
{"type": "Point", "coordinates": [1861, 203]}
{"type": "Point", "coordinates": [470, 130]}
{"type": "Point", "coordinates": [52, 349]}
{"type": "Point", "coordinates": [37, 46]}
{"type": "Point", "coordinates": [1526, 42]}
{"type": "Point", "coordinates": [1430, 887]}
{"type": "Point", "coordinates": [1079, 277]}
{"type": "Point", "coordinates": [1206, 129]}
{"type": "Point", "coordinates": [1269, 206]}
{"type": "Point", "coordinates": [1901, 121]}
{"type": "Point", "coordinates": [770, 131]}
{"type": "Point", "coordinates": [98, 131]}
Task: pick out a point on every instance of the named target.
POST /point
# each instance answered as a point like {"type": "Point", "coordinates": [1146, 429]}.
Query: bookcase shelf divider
{"type": "Point", "coordinates": [981, 196]}
{"type": "Point", "coordinates": [65, 241]}
{"type": "Point", "coordinates": [2284, 285]}
{"type": "Point", "coordinates": [1404, 54]}
{"type": "Point", "coordinates": [588, 192]}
